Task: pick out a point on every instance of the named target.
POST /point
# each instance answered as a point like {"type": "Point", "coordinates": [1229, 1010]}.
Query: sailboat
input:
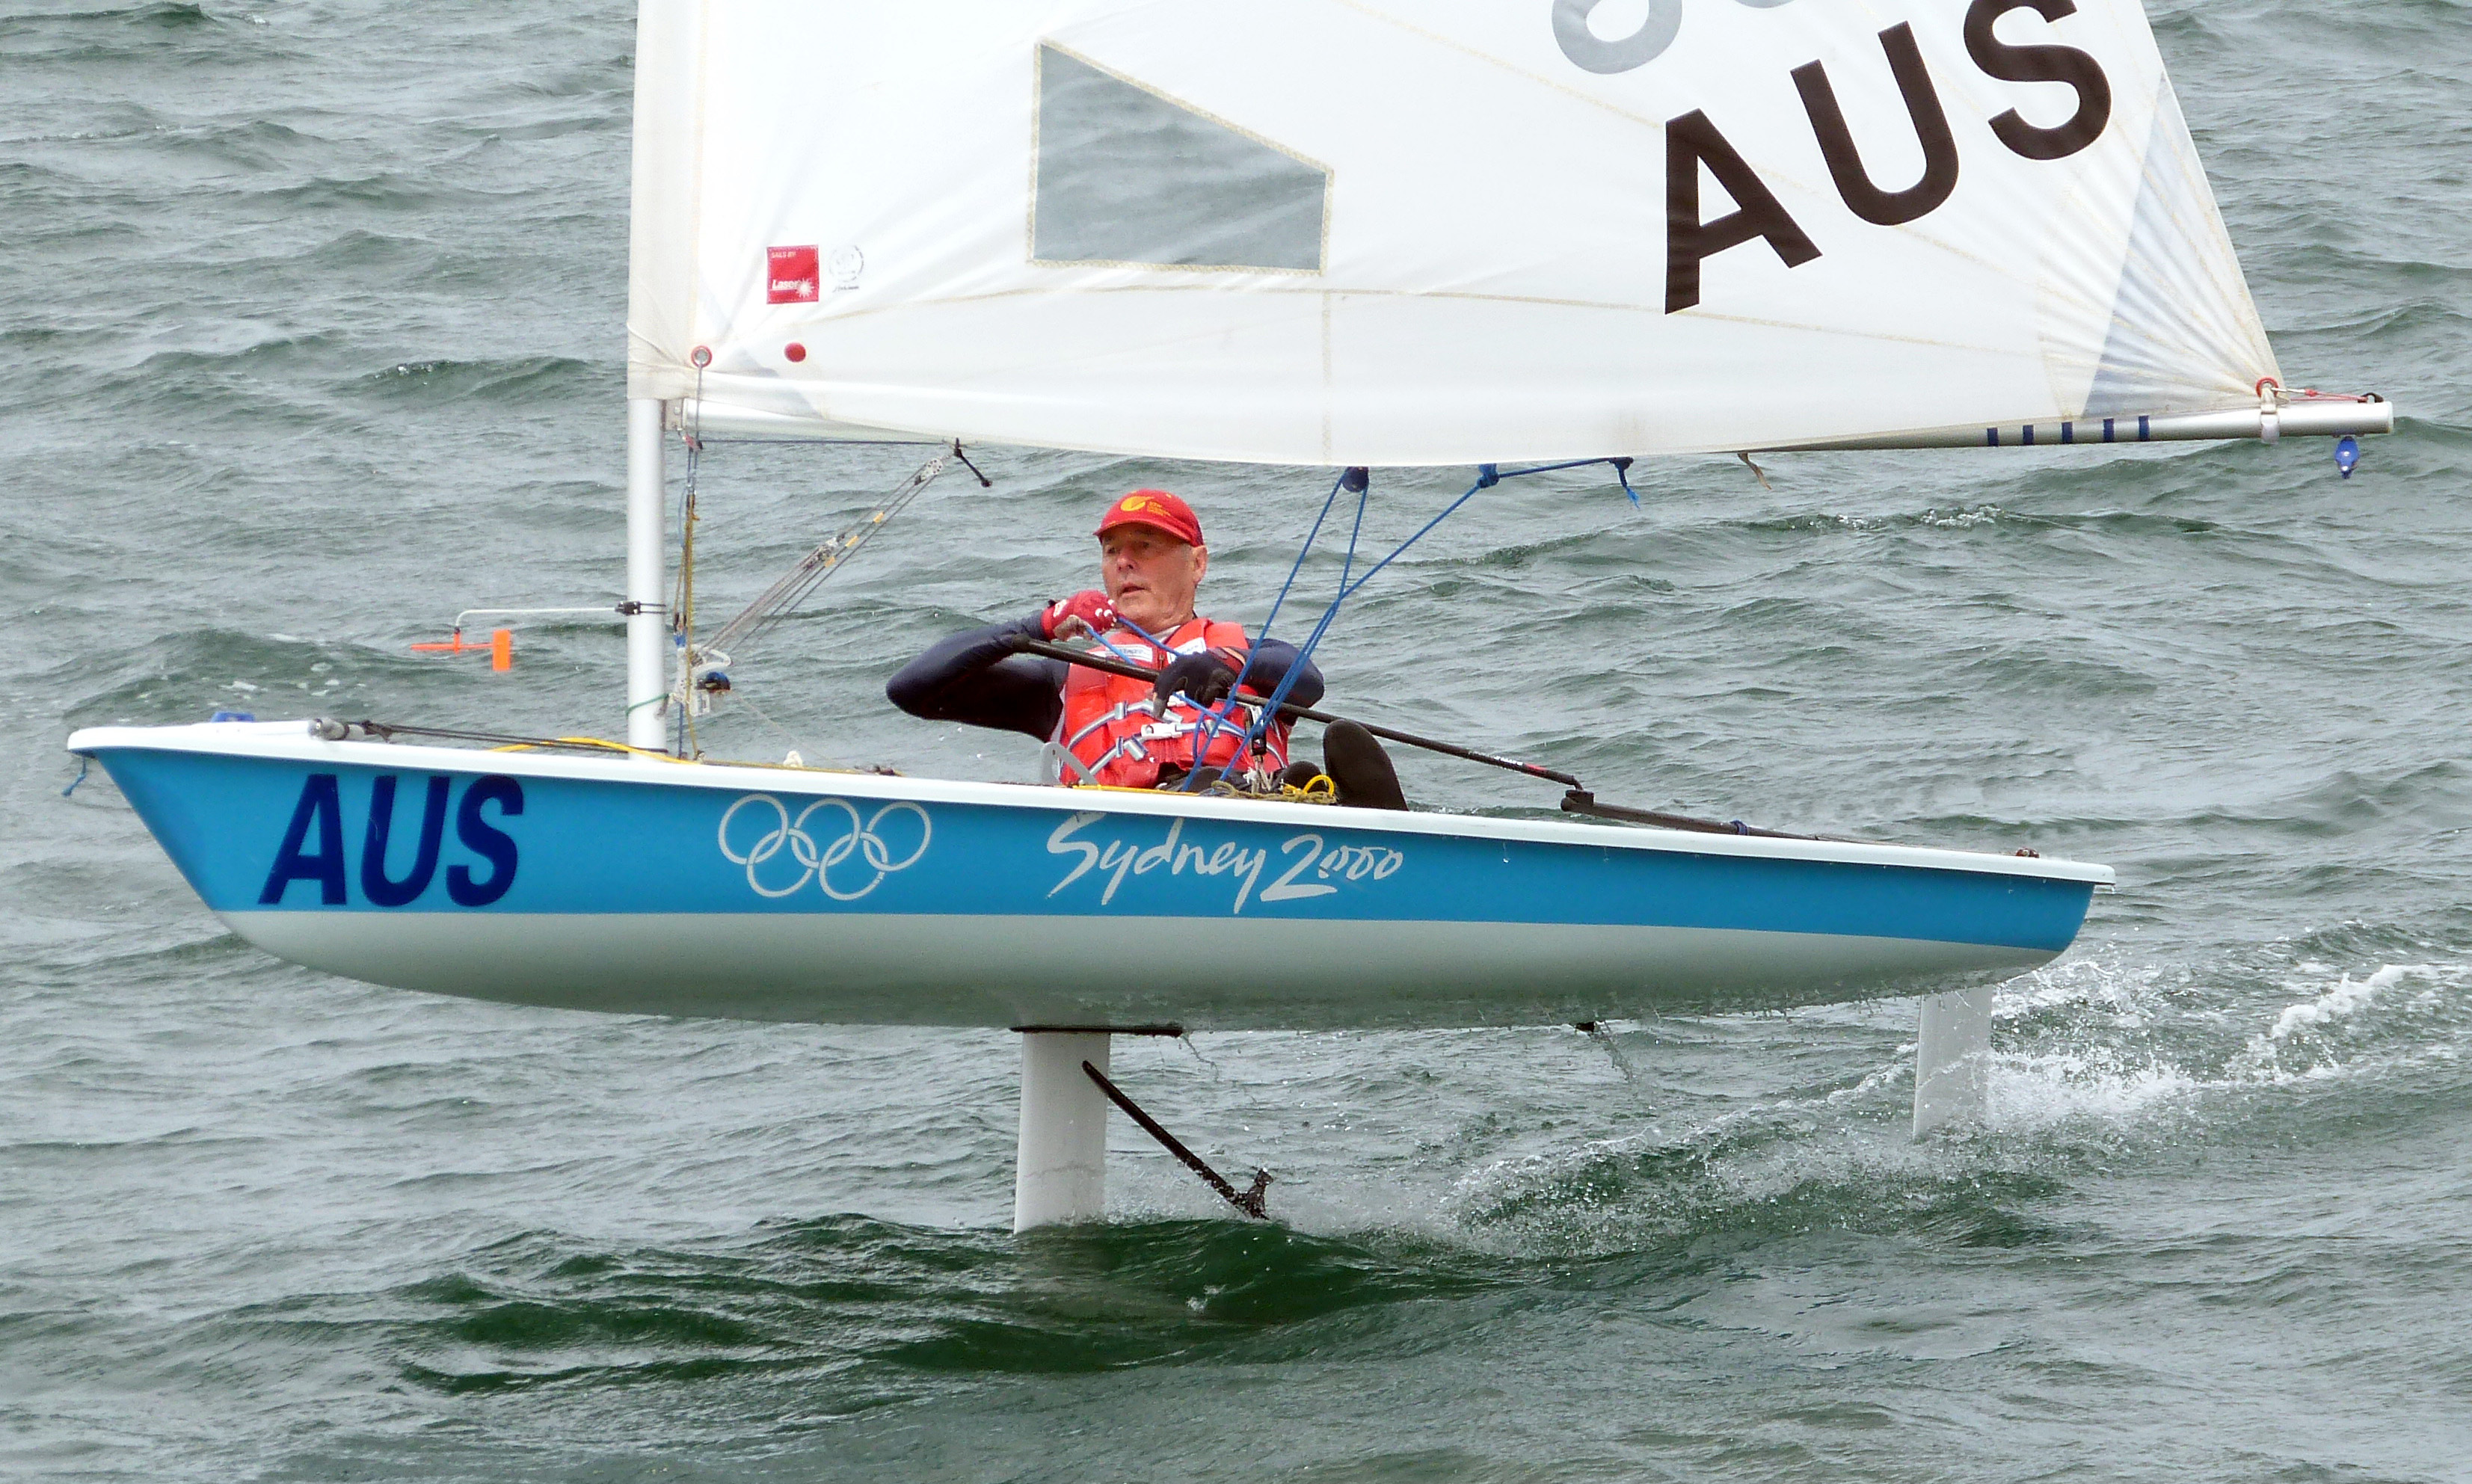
{"type": "Point", "coordinates": [1330, 235]}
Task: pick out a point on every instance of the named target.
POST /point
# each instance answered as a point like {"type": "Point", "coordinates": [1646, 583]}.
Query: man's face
{"type": "Point", "coordinates": [1150, 576]}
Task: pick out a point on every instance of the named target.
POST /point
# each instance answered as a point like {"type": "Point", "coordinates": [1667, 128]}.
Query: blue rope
{"type": "Point", "coordinates": [1360, 479]}
{"type": "Point", "coordinates": [1488, 476]}
{"type": "Point", "coordinates": [1269, 714]}
{"type": "Point", "coordinates": [1362, 482]}
{"type": "Point", "coordinates": [1221, 715]}
{"type": "Point", "coordinates": [1347, 562]}
{"type": "Point", "coordinates": [1216, 719]}
{"type": "Point", "coordinates": [1136, 628]}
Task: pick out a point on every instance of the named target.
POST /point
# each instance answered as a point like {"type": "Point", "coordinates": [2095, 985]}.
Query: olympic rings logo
{"type": "Point", "coordinates": [816, 862]}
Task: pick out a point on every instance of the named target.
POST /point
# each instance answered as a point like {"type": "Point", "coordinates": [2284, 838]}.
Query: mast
{"type": "Point", "coordinates": [647, 613]}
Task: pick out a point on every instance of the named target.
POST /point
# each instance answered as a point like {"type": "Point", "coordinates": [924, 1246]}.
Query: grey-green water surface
{"type": "Point", "coordinates": [309, 334]}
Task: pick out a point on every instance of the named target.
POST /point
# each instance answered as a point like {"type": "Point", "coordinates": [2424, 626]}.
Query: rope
{"type": "Point", "coordinates": [1320, 788]}
{"type": "Point", "coordinates": [800, 581]}
{"type": "Point", "coordinates": [505, 741]}
{"type": "Point", "coordinates": [1310, 537]}
{"type": "Point", "coordinates": [501, 742]}
{"type": "Point", "coordinates": [1222, 717]}
{"type": "Point", "coordinates": [682, 606]}
{"type": "Point", "coordinates": [1347, 561]}
{"type": "Point", "coordinates": [1304, 651]}
{"type": "Point", "coordinates": [1358, 479]}
{"type": "Point", "coordinates": [583, 744]}
{"type": "Point", "coordinates": [1488, 477]}
{"type": "Point", "coordinates": [1362, 480]}
{"type": "Point", "coordinates": [1216, 719]}
{"type": "Point", "coordinates": [761, 715]}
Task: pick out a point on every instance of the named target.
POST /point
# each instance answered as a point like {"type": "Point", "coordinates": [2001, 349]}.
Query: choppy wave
{"type": "Point", "coordinates": [161, 17]}
{"type": "Point", "coordinates": [432, 382]}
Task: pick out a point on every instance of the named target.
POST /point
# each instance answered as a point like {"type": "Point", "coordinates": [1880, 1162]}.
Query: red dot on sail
{"type": "Point", "coordinates": [795, 351]}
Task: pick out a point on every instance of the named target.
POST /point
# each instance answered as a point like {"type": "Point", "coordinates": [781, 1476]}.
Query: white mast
{"type": "Point", "coordinates": [647, 622]}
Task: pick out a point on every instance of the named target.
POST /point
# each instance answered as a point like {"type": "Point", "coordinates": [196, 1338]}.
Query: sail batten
{"type": "Point", "coordinates": [1365, 231]}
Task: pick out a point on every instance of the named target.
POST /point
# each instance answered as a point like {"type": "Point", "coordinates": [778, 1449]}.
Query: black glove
{"type": "Point", "coordinates": [1204, 678]}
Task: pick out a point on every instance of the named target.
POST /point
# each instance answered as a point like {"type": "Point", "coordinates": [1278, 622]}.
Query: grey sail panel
{"type": "Point", "coordinates": [1127, 174]}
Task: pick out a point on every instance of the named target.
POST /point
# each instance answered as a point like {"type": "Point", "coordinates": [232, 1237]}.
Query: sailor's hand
{"type": "Point", "coordinates": [1204, 678]}
{"type": "Point", "coordinates": [1083, 613]}
{"type": "Point", "coordinates": [1235, 660]}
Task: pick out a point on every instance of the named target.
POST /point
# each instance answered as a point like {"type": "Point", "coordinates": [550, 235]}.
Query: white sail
{"type": "Point", "coordinates": [1423, 231]}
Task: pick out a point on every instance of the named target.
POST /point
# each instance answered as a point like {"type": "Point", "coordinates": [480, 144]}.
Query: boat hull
{"type": "Point", "coordinates": [848, 898]}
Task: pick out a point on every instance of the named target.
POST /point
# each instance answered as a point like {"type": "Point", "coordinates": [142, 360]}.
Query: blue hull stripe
{"type": "Point", "coordinates": [256, 834]}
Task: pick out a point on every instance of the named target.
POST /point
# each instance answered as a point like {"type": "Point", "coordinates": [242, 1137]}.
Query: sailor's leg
{"type": "Point", "coordinates": [1356, 761]}
{"type": "Point", "coordinates": [1061, 1171]}
{"type": "Point", "coordinates": [1953, 1060]}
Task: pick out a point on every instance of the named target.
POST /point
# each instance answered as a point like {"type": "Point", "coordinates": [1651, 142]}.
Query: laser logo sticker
{"type": "Point", "coordinates": [791, 275]}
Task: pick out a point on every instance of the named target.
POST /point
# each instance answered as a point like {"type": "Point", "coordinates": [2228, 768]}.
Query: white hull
{"type": "Point", "coordinates": [843, 898]}
{"type": "Point", "coordinates": [1014, 971]}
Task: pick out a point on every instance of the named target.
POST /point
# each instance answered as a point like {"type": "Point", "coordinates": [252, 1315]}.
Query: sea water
{"type": "Point", "coordinates": [310, 336]}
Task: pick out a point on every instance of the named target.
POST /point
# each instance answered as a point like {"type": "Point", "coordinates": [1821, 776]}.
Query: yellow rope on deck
{"type": "Point", "coordinates": [589, 742]}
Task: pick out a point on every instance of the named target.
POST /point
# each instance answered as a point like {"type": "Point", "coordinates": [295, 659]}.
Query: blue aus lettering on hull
{"type": "Point", "coordinates": [312, 844]}
{"type": "Point", "coordinates": [382, 889]}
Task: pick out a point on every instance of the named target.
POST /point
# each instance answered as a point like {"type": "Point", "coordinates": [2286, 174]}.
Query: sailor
{"type": "Point", "coordinates": [1127, 733]}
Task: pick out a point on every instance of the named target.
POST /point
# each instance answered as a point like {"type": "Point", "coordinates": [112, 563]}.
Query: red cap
{"type": "Point", "coordinates": [1155, 509]}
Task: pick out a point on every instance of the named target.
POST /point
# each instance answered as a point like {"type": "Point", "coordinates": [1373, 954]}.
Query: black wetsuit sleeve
{"type": "Point", "coordinates": [975, 677]}
{"type": "Point", "coordinates": [1272, 659]}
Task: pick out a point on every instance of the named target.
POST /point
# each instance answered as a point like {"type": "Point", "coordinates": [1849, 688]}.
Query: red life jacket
{"type": "Point", "coordinates": [1113, 728]}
